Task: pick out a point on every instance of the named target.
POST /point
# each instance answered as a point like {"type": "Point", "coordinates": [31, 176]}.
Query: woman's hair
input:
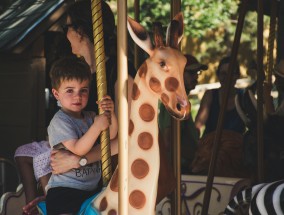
{"type": "Point", "coordinates": [226, 60]}
{"type": "Point", "coordinates": [69, 68]}
{"type": "Point", "coordinates": [81, 17]}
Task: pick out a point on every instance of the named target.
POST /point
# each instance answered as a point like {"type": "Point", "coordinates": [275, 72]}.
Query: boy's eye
{"type": "Point", "coordinates": [84, 90]}
{"type": "Point", "coordinates": [69, 91]}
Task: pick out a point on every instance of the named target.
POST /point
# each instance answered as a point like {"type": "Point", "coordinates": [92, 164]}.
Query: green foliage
{"type": "Point", "coordinates": [200, 16]}
{"type": "Point", "coordinates": [210, 27]}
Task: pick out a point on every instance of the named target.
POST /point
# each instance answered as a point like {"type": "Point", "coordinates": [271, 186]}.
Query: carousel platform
{"type": "Point", "coordinates": [192, 193]}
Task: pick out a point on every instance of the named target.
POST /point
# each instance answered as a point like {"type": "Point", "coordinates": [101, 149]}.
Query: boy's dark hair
{"type": "Point", "coordinates": [69, 68]}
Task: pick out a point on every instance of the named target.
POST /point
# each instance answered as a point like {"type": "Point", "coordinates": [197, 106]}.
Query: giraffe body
{"type": "Point", "coordinates": [159, 77]}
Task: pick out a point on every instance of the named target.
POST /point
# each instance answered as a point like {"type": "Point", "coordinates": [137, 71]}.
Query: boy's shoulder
{"type": "Point", "coordinates": [89, 114]}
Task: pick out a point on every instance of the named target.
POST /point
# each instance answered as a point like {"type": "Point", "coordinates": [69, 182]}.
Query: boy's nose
{"type": "Point", "coordinates": [78, 95]}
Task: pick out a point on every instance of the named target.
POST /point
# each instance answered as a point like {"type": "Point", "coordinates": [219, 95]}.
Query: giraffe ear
{"type": "Point", "coordinates": [175, 31]}
{"type": "Point", "coordinates": [158, 34]}
{"type": "Point", "coordinates": [140, 35]}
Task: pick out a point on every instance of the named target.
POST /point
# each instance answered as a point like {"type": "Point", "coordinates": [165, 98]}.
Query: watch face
{"type": "Point", "coordinates": [83, 161]}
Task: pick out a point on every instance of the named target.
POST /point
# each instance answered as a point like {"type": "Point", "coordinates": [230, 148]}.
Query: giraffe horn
{"type": "Point", "coordinates": [158, 34]}
{"type": "Point", "coordinates": [175, 31]}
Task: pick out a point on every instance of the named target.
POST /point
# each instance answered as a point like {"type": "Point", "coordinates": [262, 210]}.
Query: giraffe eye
{"type": "Point", "coordinates": [162, 64]}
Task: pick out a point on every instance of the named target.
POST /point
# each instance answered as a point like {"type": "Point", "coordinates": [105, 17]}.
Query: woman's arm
{"type": "Point", "coordinates": [203, 111]}
{"type": "Point", "coordinates": [62, 161]}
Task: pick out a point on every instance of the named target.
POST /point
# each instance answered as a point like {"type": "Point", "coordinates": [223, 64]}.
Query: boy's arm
{"type": "Point", "coordinates": [83, 145]}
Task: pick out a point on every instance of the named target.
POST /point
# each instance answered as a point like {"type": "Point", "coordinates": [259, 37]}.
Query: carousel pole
{"type": "Point", "coordinates": [225, 98]}
{"type": "Point", "coordinates": [260, 81]}
{"type": "Point", "coordinates": [268, 100]}
{"type": "Point", "coordinates": [175, 124]}
{"type": "Point", "coordinates": [271, 39]}
{"type": "Point", "coordinates": [122, 107]}
{"type": "Point", "coordinates": [137, 49]}
{"type": "Point", "coordinates": [101, 84]}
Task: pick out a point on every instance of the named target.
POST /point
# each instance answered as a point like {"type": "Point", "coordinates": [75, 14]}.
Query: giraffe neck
{"type": "Point", "coordinates": [143, 150]}
{"type": "Point", "coordinates": [143, 157]}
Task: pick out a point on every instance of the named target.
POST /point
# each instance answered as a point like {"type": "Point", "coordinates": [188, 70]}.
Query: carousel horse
{"type": "Point", "coordinates": [266, 198]}
{"type": "Point", "coordinates": [160, 77]}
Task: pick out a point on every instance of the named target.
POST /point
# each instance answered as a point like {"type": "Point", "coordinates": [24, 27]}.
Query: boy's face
{"type": "Point", "coordinates": [73, 95]}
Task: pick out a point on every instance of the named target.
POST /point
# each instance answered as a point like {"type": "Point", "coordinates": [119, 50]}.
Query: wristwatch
{"type": "Point", "coordinates": [83, 161]}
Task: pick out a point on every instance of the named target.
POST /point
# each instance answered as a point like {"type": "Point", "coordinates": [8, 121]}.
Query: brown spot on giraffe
{"type": "Point", "coordinates": [103, 204]}
{"type": "Point", "coordinates": [140, 168]}
{"type": "Point", "coordinates": [137, 199]}
{"type": "Point", "coordinates": [171, 84]}
{"type": "Point", "coordinates": [135, 92]}
{"type": "Point", "coordinates": [165, 98]}
{"type": "Point", "coordinates": [143, 70]}
{"type": "Point", "coordinates": [147, 112]}
{"type": "Point", "coordinates": [130, 127]}
{"type": "Point", "coordinates": [112, 212]}
{"type": "Point", "coordinates": [145, 140]}
{"type": "Point", "coordinates": [155, 84]}
{"type": "Point", "coordinates": [114, 181]}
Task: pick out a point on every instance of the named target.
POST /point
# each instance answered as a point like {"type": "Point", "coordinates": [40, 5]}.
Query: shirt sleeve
{"type": "Point", "coordinates": [61, 129]}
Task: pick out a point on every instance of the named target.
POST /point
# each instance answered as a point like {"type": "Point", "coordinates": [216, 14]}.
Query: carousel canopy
{"type": "Point", "coordinates": [25, 20]}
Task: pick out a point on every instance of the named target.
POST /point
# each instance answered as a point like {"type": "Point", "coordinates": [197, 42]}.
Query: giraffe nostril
{"type": "Point", "coordinates": [178, 106]}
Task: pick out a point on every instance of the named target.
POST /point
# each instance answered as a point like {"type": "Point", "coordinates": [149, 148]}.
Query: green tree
{"type": "Point", "coordinates": [210, 27]}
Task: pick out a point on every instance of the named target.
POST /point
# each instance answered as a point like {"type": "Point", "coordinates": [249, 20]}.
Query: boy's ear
{"type": "Point", "coordinates": [55, 93]}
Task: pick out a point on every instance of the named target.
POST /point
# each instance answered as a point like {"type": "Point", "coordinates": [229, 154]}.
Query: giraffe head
{"type": "Point", "coordinates": [163, 70]}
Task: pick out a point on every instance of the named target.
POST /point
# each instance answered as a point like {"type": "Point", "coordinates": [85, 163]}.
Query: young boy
{"type": "Point", "coordinates": [75, 130]}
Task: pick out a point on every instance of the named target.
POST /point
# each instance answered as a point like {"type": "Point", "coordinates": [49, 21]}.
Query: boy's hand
{"type": "Point", "coordinates": [102, 121]}
{"type": "Point", "coordinates": [106, 104]}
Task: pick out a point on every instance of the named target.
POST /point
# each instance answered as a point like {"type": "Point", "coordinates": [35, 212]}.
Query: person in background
{"type": "Point", "coordinates": [271, 108]}
{"type": "Point", "coordinates": [273, 126]}
{"type": "Point", "coordinates": [210, 104]}
{"type": "Point", "coordinates": [77, 131]}
{"type": "Point", "coordinates": [189, 134]}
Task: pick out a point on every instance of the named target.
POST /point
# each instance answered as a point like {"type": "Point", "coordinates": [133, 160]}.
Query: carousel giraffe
{"type": "Point", "coordinates": [159, 77]}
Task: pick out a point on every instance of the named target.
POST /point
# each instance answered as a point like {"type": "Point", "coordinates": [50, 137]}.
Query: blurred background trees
{"type": "Point", "coordinates": [209, 30]}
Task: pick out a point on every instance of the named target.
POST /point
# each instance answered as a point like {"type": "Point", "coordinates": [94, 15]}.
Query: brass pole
{"type": "Point", "coordinates": [101, 84]}
{"type": "Point", "coordinates": [122, 107]}
{"type": "Point", "coordinates": [225, 97]}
